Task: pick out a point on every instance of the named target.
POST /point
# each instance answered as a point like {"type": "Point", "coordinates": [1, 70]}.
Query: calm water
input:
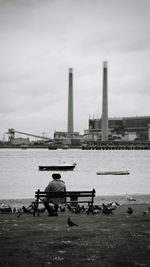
{"type": "Point", "coordinates": [20, 177]}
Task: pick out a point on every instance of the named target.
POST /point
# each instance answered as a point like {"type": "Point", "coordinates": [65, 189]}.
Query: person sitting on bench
{"type": "Point", "coordinates": [56, 185]}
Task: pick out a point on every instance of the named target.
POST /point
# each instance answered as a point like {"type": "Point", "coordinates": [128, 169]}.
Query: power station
{"type": "Point", "coordinates": [100, 130]}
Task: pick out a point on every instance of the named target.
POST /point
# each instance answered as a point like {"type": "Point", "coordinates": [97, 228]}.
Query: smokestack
{"type": "Point", "coordinates": [104, 104]}
{"type": "Point", "coordinates": [70, 102]}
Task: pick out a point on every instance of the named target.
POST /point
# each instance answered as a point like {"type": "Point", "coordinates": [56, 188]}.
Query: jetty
{"type": "Point", "coordinates": [117, 146]}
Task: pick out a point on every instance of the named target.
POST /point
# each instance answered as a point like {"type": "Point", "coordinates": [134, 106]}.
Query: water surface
{"type": "Point", "coordinates": [20, 177]}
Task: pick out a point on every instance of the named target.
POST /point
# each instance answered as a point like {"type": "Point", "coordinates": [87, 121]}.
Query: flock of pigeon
{"type": "Point", "coordinates": [104, 209]}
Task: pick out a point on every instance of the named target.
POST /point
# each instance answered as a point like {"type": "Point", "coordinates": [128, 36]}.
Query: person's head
{"type": "Point", "coordinates": [56, 176]}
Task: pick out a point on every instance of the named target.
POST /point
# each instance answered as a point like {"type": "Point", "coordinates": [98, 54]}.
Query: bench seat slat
{"type": "Point", "coordinates": [67, 192]}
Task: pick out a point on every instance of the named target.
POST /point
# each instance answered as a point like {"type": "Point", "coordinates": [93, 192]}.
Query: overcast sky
{"type": "Point", "coordinates": [41, 39]}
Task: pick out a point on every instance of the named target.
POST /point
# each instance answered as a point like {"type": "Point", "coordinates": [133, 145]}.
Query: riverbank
{"type": "Point", "coordinates": [114, 240]}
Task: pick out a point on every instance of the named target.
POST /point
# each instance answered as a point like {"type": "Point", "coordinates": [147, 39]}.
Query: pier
{"type": "Point", "coordinates": [123, 146]}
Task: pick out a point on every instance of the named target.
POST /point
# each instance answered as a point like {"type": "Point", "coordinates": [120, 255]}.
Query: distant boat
{"type": "Point", "coordinates": [59, 167]}
{"type": "Point", "coordinates": [65, 147]}
{"type": "Point", "coordinates": [52, 147]}
{"type": "Point", "coordinates": [24, 146]}
{"type": "Point", "coordinates": [113, 173]}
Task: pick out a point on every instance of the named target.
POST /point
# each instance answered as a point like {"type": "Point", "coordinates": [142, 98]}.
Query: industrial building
{"type": "Point", "coordinates": [65, 138]}
{"type": "Point", "coordinates": [126, 128]}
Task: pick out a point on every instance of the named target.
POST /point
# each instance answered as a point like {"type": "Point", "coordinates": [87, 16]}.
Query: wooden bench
{"type": "Point", "coordinates": [70, 197]}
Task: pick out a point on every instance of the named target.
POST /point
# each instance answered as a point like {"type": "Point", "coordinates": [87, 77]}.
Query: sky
{"type": "Point", "coordinates": [41, 39]}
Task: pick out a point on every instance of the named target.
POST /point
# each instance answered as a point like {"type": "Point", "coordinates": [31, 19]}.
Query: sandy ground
{"type": "Point", "coordinates": [118, 239]}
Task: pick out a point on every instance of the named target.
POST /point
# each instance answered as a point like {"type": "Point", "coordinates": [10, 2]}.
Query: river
{"type": "Point", "coordinates": [20, 177]}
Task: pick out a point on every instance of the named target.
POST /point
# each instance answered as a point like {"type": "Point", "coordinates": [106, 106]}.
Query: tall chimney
{"type": "Point", "coordinates": [104, 104]}
{"type": "Point", "coordinates": [70, 102]}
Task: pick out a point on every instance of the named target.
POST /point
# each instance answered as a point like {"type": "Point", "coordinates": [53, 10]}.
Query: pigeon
{"type": "Point", "coordinates": [77, 209]}
{"type": "Point", "coordinates": [106, 210]}
{"type": "Point", "coordinates": [62, 208]}
{"type": "Point", "coordinates": [145, 212]}
{"type": "Point", "coordinates": [83, 208]}
{"type": "Point", "coordinates": [25, 210]}
{"type": "Point", "coordinates": [112, 205]}
{"type": "Point", "coordinates": [71, 223]}
{"type": "Point", "coordinates": [97, 207]}
{"type": "Point", "coordinates": [130, 210]}
{"type": "Point", "coordinates": [69, 207]}
{"type": "Point", "coordinates": [115, 204]}
{"type": "Point", "coordinates": [130, 198]}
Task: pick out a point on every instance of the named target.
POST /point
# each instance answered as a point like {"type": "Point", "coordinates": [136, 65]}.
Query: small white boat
{"type": "Point", "coordinates": [113, 173]}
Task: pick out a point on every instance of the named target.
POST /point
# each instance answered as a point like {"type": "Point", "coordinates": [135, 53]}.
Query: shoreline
{"type": "Point", "coordinates": [121, 199]}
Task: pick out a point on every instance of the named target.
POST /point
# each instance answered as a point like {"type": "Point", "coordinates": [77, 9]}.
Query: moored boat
{"type": "Point", "coordinates": [24, 146]}
{"type": "Point", "coordinates": [60, 167]}
{"type": "Point", "coordinates": [113, 173]}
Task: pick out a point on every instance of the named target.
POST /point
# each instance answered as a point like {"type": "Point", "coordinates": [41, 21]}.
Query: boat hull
{"type": "Point", "coordinates": [57, 168]}
{"type": "Point", "coordinates": [113, 173]}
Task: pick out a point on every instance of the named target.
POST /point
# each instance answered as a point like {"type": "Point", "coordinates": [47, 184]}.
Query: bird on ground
{"type": "Point", "coordinates": [83, 208]}
{"type": "Point", "coordinates": [69, 207]}
{"type": "Point", "coordinates": [77, 209]}
{"type": "Point", "coordinates": [112, 205]}
{"type": "Point", "coordinates": [106, 210]}
{"type": "Point", "coordinates": [71, 223]}
{"type": "Point", "coordinates": [130, 198]}
{"type": "Point", "coordinates": [145, 212]}
{"type": "Point", "coordinates": [97, 207]}
{"type": "Point", "coordinates": [115, 204]}
{"type": "Point", "coordinates": [25, 210]}
{"type": "Point", "coordinates": [62, 208]}
{"type": "Point", "coordinates": [130, 210]}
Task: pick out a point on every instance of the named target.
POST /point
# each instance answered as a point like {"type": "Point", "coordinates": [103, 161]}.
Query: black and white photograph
{"type": "Point", "coordinates": [74, 133]}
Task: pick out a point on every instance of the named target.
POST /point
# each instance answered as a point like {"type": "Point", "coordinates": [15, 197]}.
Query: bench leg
{"type": "Point", "coordinates": [90, 208]}
{"type": "Point", "coordinates": [35, 209]}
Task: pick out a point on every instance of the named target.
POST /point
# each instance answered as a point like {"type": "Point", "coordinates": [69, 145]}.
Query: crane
{"type": "Point", "coordinates": [12, 132]}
